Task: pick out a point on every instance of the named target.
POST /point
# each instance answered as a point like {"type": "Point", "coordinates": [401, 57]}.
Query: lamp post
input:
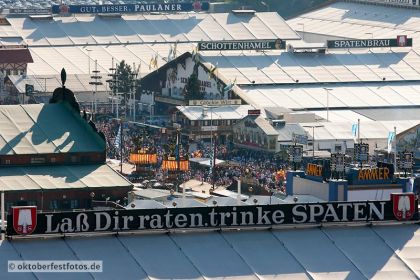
{"type": "Point", "coordinates": [2, 215]}
{"type": "Point", "coordinates": [328, 102]}
{"type": "Point", "coordinates": [313, 137]}
{"type": "Point", "coordinates": [212, 143]}
{"type": "Point", "coordinates": [88, 52]}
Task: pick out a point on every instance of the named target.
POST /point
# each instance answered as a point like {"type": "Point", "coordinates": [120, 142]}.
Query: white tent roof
{"type": "Point", "coordinates": [228, 112]}
{"type": "Point", "coordinates": [360, 21]}
{"type": "Point", "coordinates": [148, 28]}
{"type": "Point", "coordinates": [368, 129]}
{"type": "Point", "coordinates": [360, 95]}
{"type": "Point", "coordinates": [353, 65]}
{"type": "Point", "coordinates": [379, 252]}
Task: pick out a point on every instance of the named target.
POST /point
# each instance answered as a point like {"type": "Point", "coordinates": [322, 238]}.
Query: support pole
{"type": "Point", "coordinates": [3, 228]}
{"type": "Point", "coordinates": [183, 194]}
{"type": "Point", "coordinates": [395, 150]}
{"type": "Point", "coordinates": [121, 146]}
{"type": "Point", "coordinates": [238, 201]}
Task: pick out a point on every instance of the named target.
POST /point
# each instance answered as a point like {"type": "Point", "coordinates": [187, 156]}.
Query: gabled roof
{"type": "Point", "coordinates": [265, 126]}
{"type": "Point", "coordinates": [361, 20]}
{"type": "Point", "coordinates": [151, 28]}
{"type": "Point", "coordinates": [36, 178]}
{"type": "Point", "coordinates": [45, 129]}
{"type": "Point", "coordinates": [15, 55]}
{"type": "Point", "coordinates": [335, 252]}
{"type": "Point", "coordinates": [227, 112]}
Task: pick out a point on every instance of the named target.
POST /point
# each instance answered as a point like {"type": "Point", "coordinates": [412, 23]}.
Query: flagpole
{"type": "Point", "coordinates": [395, 151]}
{"type": "Point", "coordinates": [358, 130]}
{"type": "Point", "coordinates": [177, 148]}
{"type": "Point", "coordinates": [121, 146]}
{"type": "Point", "coordinates": [2, 215]}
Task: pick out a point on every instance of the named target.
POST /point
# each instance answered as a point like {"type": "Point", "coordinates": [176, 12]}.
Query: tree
{"type": "Point", "coordinates": [125, 78]}
{"type": "Point", "coordinates": [192, 88]}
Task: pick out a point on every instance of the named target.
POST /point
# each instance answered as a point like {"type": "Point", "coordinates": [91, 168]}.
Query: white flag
{"type": "Point", "coordinates": [391, 137]}
{"type": "Point", "coordinates": [117, 143]}
{"type": "Point", "coordinates": [354, 129]}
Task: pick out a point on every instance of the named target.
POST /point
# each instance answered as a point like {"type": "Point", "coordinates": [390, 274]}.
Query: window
{"type": "Point", "coordinates": [74, 203]}
{"type": "Point", "coordinates": [9, 205]}
{"type": "Point", "coordinates": [54, 204]}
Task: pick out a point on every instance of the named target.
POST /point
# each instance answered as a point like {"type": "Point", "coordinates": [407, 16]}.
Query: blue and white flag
{"type": "Point", "coordinates": [177, 148]}
{"type": "Point", "coordinates": [117, 143]}
{"type": "Point", "coordinates": [170, 54]}
{"type": "Point", "coordinates": [229, 86]}
{"type": "Point", "coordinates": [391, 137]}
{"type": "Point", "coordinates": [354, 129]}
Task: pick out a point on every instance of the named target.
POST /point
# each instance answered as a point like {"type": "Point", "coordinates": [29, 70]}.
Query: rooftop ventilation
{"type": "Point", "coordinates": [110, 16]}
{"type": "Point", "coordinates": [41, 17]}
{"type": "Point", "coordinates": [244, 12]}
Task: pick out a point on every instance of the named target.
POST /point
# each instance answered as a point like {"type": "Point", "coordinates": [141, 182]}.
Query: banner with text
{"type": "Point", "coordinates": [276, 44]}
{"type": "Point", "coordinates": [131, 8]}
{"type": "Point", "coordinates": [400, 41]}
{"type": "Point", "coordinates": [25, 220]}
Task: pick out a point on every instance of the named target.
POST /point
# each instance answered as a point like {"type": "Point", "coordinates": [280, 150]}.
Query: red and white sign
{"type": "Point", "coordinates": [403, 205]}
{"type": "Point", "coordinates": [24, 219]}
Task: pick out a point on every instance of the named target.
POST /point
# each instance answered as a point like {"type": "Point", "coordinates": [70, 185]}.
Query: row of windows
{"type": "Point", "coordinates": [64, 204]}
{"type": "Point", "coordinates": [53, 205]}
{"type": "Point", "coordinates": [210, 122]}
{"type": "Point", "coordinates": [12, 72]}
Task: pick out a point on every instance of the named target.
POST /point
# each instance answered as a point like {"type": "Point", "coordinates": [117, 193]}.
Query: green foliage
{"type": "Point", "coordinates": [192, 88]}
{"type": "Point", "coordinates": [125, 77]}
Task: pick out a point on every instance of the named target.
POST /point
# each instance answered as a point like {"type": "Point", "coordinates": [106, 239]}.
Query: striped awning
{"type": "Point", "coordinates": [143, 158]}
{"type": "Point", "coordinates": [172, 165]}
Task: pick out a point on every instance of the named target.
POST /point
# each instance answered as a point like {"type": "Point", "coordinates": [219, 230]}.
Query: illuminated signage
{"type": "Point", "coordinates": [314, 170]}
{"type": "Point", "coordinates": [400, 41]}
{"type": "Point", "coordinates": [131, 8]}
{"type": "Point", "coordinates": [242, 45]}
{"type": "Point", "coordinates": [381, 173]}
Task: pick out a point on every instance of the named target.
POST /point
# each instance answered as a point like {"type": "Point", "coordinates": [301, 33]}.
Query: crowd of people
{"type": "Point", "coordinates": [253, 167]}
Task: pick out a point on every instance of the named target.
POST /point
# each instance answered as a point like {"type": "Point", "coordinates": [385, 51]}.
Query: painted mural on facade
{"type": "Point", "coordinates": [410, 141]}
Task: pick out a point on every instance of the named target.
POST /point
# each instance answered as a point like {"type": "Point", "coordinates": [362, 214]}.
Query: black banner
{"type": "Point", "coordinates": [201, 217]}
{"type": "Point", "coordinates": [242, 45]}
{"type": "Point", "coordinates": [401, 41]}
